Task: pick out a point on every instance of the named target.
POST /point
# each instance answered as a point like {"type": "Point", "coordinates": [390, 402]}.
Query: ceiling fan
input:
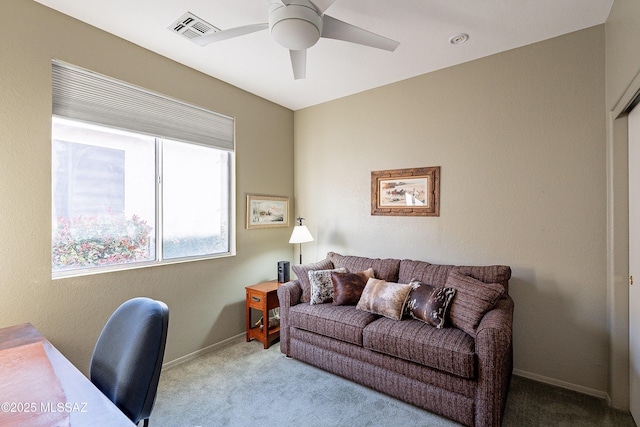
{"type": "Point", "coordinates": [299, 24]}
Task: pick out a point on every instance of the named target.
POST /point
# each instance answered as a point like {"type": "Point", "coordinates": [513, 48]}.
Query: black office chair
{"type": "Point", "coordinates": [127, 359]}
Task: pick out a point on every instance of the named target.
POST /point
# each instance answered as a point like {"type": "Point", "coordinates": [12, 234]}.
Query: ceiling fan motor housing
{"type": "Point", "coordinates": [296, 26]}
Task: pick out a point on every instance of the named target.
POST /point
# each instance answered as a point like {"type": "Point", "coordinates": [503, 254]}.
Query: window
{"type": "Point", "coordinates": [124, 198]}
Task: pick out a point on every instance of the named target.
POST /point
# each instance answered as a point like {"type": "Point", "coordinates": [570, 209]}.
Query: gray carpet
{"type": "Point", "coordinates": [243, 385]}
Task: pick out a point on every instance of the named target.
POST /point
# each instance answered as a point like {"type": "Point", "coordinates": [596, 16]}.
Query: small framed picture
{"type": "Point", "coordinates": [267, 211]}
{"type": "Point", "coordinates": [406, 192]}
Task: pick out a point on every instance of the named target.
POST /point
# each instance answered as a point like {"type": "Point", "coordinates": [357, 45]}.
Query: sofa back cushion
{"type": "Point", "coordinates": [431, 274]}
{"type": "Point", "coordinates": [436, 275]}
{"type": "Point", "coordinates": [385, 269]}
{"type": "Point", "coordinates": [488, 274]}
{"type": "Point", "coordinates": [473, 299]}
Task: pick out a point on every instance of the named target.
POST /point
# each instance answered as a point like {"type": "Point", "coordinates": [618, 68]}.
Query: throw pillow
{"type": "Point", "coordinates": [322, 286]}
{"type": "Point", "coordinates": [347, 287]}
{"type": "Point", "coordinates": [384, 298]}
{"type": "Point", "coordinates": [302, 271]}
{"type": "Point", "coordinates": [472, 301]}
{"type": "Point", "coordinates": [428, 303]}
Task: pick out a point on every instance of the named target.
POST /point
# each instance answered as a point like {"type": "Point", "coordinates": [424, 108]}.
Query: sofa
{"type": "Point", "coordinates": [460, 369]}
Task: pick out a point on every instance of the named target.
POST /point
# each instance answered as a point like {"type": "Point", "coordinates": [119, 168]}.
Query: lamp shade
{"type": "Point", "coordinates": [300, 234]}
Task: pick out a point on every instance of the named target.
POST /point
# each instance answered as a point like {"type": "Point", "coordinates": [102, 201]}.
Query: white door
{"type": "Point", "coordinates": [634, 263]}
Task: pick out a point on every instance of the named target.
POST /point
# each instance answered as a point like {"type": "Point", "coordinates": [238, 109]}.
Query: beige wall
{"type": "Point", "coordinates": [622, 69]}
{"type": "Point", "coordinates": [205, 298]}
{"type": "Point", "coordinates": [520, 137]}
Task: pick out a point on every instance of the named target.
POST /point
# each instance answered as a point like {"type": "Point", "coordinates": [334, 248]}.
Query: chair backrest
{"type": "Point", "coordinates": [127, 359]}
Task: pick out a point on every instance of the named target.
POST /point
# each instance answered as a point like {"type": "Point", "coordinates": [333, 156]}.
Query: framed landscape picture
{"type": "Point", "coordinates": [267, 211]}
{"type": "Point", "coordinates": [406, 192]}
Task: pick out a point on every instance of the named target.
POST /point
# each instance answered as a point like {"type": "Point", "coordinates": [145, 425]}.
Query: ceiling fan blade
{"type": "Point", "coordinates": [228, 34]}
{"type": "Point", "coordinates": [299, 63]}
{"type": "Point", "coordinates": [322, 5]}
{"type": "Point", "coordinates": [333, 28]}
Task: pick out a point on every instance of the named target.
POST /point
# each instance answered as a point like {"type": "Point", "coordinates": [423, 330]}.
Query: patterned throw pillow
{"type": "Point", "coordinates": [302, 271]}
{"type": "Point", "coordinates": [473, 300]}
{"type": "Point", "coordinates": [384, 298]}
{"type": "Point", "coordinates": [322, 286]}
{"type": "Point", "coordinates": [429, 303]}
{"type": "Point", "coordinates": [347, 287]}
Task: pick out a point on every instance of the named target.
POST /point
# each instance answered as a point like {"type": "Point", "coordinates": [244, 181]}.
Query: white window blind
{"type": "Point", "coordinates": [90, 97]}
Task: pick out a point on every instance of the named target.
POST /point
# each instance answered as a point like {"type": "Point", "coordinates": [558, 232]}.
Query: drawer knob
{"type": "Point", "coordinates": [256, 299]}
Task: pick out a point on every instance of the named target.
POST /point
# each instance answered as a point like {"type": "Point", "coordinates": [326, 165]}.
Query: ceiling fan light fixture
{"type": "Point", "coordinates": [295, 27]}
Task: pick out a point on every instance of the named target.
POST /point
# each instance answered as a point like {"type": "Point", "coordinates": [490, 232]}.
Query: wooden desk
{"type": "Point", "coordinates": [64, 398]}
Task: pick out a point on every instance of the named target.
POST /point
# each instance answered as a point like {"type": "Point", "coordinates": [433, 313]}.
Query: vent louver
{"type": "Point", "coordinates": [191, 27]}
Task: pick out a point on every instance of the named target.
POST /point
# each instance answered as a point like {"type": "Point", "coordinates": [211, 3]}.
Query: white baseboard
{"type": "Point", "coordinates": [563, 384]}
{"type": "Point", "coordinates": [191, 356]}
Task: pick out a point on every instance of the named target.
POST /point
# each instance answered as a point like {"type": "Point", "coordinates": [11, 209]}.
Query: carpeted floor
{"type": "Point", "coordinates": [243, 385]}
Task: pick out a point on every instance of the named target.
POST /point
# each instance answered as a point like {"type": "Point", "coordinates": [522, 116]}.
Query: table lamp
{"type": "Point", "coordinates": [300, 235]}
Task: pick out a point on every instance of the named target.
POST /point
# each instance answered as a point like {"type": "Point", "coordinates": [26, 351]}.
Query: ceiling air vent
{"type": "Point", "coordinates": [191, 27]}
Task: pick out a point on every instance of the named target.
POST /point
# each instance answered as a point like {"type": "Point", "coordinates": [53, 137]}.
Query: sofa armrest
{"type": "Point", "coordinates": [288, 295]}
{"type": "Point", "coordinates": [494, 349]}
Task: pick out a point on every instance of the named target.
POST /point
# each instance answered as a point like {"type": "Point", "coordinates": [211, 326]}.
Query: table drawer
{"type": "Point", "coordinates": [256, 300]}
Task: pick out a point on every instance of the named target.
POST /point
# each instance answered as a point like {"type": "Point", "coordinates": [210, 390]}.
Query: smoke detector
{"type": "Point", "coordinates": [459, 38]}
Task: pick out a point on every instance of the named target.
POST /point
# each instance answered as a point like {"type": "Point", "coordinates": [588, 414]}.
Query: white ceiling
{"type": "Point", "coordinates": [257, 64]}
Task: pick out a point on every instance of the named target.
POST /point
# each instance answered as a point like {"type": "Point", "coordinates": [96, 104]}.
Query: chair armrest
{"type": "Point", "coordinates": [494, 349]}
{"type": "Point", "coordinates": [499, 319]}
{"type": "Point", "coordinates": [288, 295]}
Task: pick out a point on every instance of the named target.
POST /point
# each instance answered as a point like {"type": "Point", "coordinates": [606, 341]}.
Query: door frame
{"type": "Point", "coordinates": [634, 265]}
{"type": "Point", "coordinates": [617, 159]}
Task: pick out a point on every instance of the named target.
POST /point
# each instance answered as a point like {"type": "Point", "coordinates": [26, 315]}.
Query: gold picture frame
{"type": "Point", "coordinates": [406, 192]}
{"type": "Point", "coordinates": [267, 211]}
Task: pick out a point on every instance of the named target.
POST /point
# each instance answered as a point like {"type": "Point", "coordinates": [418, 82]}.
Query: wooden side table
{"type": "Point", "coordinates": [263, 297]}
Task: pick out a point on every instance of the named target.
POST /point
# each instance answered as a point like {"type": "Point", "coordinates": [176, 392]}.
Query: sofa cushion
{"type": "Point", "coordinates": [429, 304]}
{"type": "Point", "coordinates": [321, 285]}
{"type": "Point", "coordinates": [447, 349]}
{"type": "Point", "coordinates": [342, 322]}
{"type": "Point", "coordinates": [473, 299]}
{"type": "Point", "coordinates": [431, 274]}
{"type": "Point", "coordinates": [347, 287]}
{"type": "Point", "coordinates": [302, 271]}
{"type": "Point", "coordinates": [385, 269]}
{"type": "Point", "coordinates": [384, 298]}
{"type": "Point", "coordinates": [487, 273]}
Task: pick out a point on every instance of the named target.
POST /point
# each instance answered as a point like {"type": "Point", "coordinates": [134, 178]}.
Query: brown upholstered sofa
{"type": "Point", "coordinates": [460, 375]}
